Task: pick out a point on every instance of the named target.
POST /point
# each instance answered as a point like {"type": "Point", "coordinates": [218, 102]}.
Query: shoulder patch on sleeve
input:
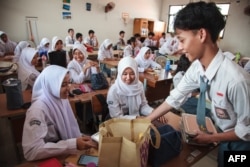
{"type": "Point", "coordinates": [35, 122]}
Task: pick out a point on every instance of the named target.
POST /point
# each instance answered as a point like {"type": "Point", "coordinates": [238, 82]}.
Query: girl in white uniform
{"type": "Point", "coordinates": [7, 46]}
{"type": "Point", "coordinates": [79, 67]}
{"type": "Point", "coordinates": [50, 128]}
{"type": "Point", "coordinates": [145, 64]}
{"type": "Point", "coordinates": [126, 97]}
{"type": "Point", "coordinates": [18, 50]}
{"type": "Point", "coordinates": [27, 72]}
{"type": "Point", "coordinates": [229, 84]}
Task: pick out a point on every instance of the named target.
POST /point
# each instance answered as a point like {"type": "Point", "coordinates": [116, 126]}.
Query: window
{"type": "Point", "coordinates": [173, 10]}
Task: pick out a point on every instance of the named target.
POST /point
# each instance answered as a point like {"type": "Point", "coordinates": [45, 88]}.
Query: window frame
{"type": "Point", "coordinates": [171, 17]}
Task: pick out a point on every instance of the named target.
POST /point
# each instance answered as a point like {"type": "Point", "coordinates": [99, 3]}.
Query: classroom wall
{"type": "Point", "coordinates": [50, 22]}
{"type": "Point", "coordinates": [237, 30]}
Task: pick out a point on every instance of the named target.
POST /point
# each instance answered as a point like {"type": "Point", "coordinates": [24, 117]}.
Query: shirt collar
{"type": "Point", "coordinates": [214, 65]}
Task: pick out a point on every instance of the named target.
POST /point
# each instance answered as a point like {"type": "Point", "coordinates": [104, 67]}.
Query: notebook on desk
{"type": "Point", "coordinates": [58, 58]}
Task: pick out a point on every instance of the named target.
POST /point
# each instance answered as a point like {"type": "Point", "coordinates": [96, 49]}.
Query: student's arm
{"type": "Point", "coordinates": [34, 142]}
{"type": "Point", "coordinates": [160, 111]}
{"type": "Point", "coordinates": [77, 78]}
{"type": "Point", "coordinates": [145, 109]}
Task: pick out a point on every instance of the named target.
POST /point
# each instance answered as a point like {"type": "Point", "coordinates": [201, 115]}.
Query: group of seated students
{"type": "Point", "coordinates": [50, 128]}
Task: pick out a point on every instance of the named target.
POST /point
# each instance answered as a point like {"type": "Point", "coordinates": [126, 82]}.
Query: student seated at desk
{"type": "Point", "coordinates": [105, 52]}
{"type": "Point", "coordinates": [7, 46]}
{"type": "Point", "coordinates": [43, 47]}
{"type": "Point", "coordinates": [91, 40]}
{"type": "Point", "coordinates": [79, 38]}
{"type": "Point", "coordinates": [126, 97]}
{"type": "Point", "coordinates": [79, 67]}
{"type": "Point", "coordinates": [27, 72]}
{"type": "Point", "coordinates": [145, 64]}
{"type": "Point", "coordinates": [18, 50]}
{"type": "Point", "coordinates": [70, 39]}
{"type": "Point", "coordinates": [57, 55]}
{"type": "Point", "coordinates": [50, 127]}
{"type": "Point", "coordinates": [170, 47]}
{"type": "Point", "coordinates": [197, 27]}
{"type": "Point", "coordinates": [129, 49]}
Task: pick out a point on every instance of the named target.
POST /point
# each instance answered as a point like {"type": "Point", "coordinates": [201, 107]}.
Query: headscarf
{"type": "Point", "coordinates": [106, 43]}
{"type": "Point", "coordinates": [18, 50]}
{"type": "Point", "coordinates": [43, 42]}
{"type": "Point", "coordinates": [25, 68]}
{"type": "Point", "coordinates": [47, 89]}
{"type": "Point", "coordinates": [54, 41]}
{"type": "Point", "coordinates": [142, 62]}
{"type": "Point", "coordinates": [1, 33]}
{"type": "Point", "coordinates": [134, 88]}
{"type": "Point", "coordinates": [75, 64]}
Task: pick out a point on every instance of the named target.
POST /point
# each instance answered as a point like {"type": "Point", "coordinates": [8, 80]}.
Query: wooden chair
{"type": "Point", "coordinates": [97, 110]}
{"type": "Point", "coordinates": [73, 106]}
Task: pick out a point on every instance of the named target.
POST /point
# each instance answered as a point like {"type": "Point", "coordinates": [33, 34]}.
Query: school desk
{"type": "Point", "coordinates": [185, 159]}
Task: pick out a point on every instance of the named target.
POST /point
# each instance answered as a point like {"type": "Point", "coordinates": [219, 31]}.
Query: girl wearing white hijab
{"type": "Point", "coordinates": [50, 128]}
{"type": "Point", "coordinates": [7, 46]}
{"type": "Point", "coordinates": [27, 72]}
{"type": "Point", "coordinates": [79, 67]}
{"type": "Point", "coordinates": [126, 97]}
{"type": "Point", "coordinates": [18, 50]}
{"type": "Point", "coordinates": [43, 47]}
{"type": "Point", "coordinates": [57, 44]}
{"type": "Point", "coordinates": [145, 64]}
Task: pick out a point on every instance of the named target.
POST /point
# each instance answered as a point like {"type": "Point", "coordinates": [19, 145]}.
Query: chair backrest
{"type": "Point", "coordinates": [99, 109]}
{"type": "Point", "coordinates": [58, 58]}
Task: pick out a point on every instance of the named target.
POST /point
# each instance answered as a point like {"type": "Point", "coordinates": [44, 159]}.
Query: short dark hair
{"type": "Point", "coordinates": [132, 39]}
{"type": "Point", "coordinates": [78, 35]}
{"type": "Point", "coordinates": [122, 32]}
{"type": "Point", "coordinates": [151, 33]}
{"type": "Point", "coordinates": [137, 35]}
{"type": "Point", "coordinates": [198, 15]}
{"type": "Point", "coordinates": [163, 33]}
{"type": "Point", "coordinates": [91, 31]}
{"type": "Point", "coordinates": [70, 29]}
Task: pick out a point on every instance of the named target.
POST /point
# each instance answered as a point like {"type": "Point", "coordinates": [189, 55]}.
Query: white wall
{"type": "Point", "coordinates": [237, 30]}
{"type": "Point", "coordinates": [50, 22]}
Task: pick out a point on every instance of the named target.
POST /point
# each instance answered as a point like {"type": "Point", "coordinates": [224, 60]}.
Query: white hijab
{"type": "Point", "coordinates": [142, 62]}
{"type": "Point", "coordinates": [77, 66]}
{"type": "Point", "coordinates": [1, 41]}
{"type": "Point", "coordinates": [43, 42]}
{"type": "Point", "coordinates": [134, 88]}
{"type": "Point", "coordinates": [54, 41]}
{"type": "Point", "coordinates": [18, 50]}
{"type": "Point", "coordinates": [25, 68]}
{"type": "Point", "coordinates": [47, 89]}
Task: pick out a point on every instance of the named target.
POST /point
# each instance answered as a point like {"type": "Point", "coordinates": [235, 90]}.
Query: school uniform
{"type": "Point", "coordinates": [27, 72]}
{"type": "Point", "coordinates": [229, 93]}
{"type": "Point", "coordinates": [145, 63]}
{"type": "Point", "coordinates": [76, 68]}
{"type": "Point", "coordinates": [50, 128]}
{"type": "Point", "coordinates": [162, 41]}
{"type": "Point", "coordinates": [128, 51]}
{"type": "Point", "coordinates": [169, 47]}
{"type": "Point", "coordinates": [69, 41]}
{"type": "Point", "coordinates": [42, 49]}
{"type": "Point", "coordinates": [127, 101]}
{"type": "Point", "coordinates": [149, 42]}
{"type": "Point", "coordinates": [18, 50]}
{"type": "Point", "coordinates": [103, 53]}
{"type": "Point", "coordinates": [7, 47]}
{"type": "Point", "coordinates": [90, 41]}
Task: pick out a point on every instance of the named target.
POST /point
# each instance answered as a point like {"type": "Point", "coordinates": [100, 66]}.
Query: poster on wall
{"type": "Point", "coordinates": [66, 1]}
{"type": "Point", "coordinates": [66, 15]}
{"type": "Point", "coordinates": [66, 7]}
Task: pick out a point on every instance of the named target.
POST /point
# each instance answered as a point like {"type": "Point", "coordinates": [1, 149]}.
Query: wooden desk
{"type": "Point", "coordinates": [111, 63]}
{"type": "Point", "coordinates": [184, 159]}
{"type": "Point", "coordinates": [157, 87]}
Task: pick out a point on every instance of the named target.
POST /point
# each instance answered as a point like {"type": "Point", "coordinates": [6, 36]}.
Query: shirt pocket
{"type": "Point", "coordinates": [222, 108]}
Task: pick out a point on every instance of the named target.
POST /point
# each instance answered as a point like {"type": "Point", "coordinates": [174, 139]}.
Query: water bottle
{"type": "Point", "coordinates": [167, 67]}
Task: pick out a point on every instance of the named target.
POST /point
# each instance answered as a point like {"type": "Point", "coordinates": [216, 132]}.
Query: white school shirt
{"type": "Point", "coordinates": [90, 41]}
{"type": "Point", "coordinates": [69, 41]}
{"type": "Point", "coordinates": [76, 72]}
{"type": "Point", "coordinates": [149, 42]}
{"type": "Point", "coordinates": [104, 53]}
{"type": "Point", "coordinates": [119, 105]}
{"type": "Point", "coordinates": [7, 47]}
{"type": "Point", "coordinates": [128, 51]}
{"type": "Point", "coordinates": [162, 41]}
{"type": "Point", "coordinates": [229, 93]}
{"type": "Point", "coordinates": [43, 139]}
